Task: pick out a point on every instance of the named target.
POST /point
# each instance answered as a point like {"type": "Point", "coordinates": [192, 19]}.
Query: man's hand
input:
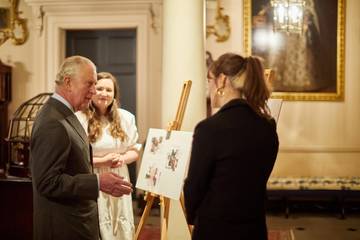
{"type": "Point", "coordinates": [114, 184]}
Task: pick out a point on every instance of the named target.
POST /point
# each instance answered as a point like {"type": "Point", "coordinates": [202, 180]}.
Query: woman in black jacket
{"type": "Point", "coordinates": [233, 154]}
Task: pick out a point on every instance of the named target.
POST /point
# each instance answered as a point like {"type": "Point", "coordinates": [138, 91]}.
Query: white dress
{"type": "Point", "coordinates": [115, 214]}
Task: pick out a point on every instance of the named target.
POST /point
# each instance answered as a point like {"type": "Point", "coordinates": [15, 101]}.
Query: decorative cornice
{"type": "Point", "coordinates": [155, 11]}
{"type": "Point", "coordinates": [39, 17]}
{"type": "Point", "coordinates": [84, 6]}
{"type": "Point", "coordinates": [43, 8]}
{"type": "Point", "coordinates": [89, 2]}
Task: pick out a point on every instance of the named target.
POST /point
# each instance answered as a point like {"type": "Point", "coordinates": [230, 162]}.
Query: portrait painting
{"type": "Point", "coordinates": [4, 18]}
{"type": "Point", "coordinates": [307, 61]}
{"type": "Point", "coordinates": [5, 6]}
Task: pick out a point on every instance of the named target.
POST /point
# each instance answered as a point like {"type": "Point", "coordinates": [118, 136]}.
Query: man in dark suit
{"type": "Point", "coordinates": [65, 189]}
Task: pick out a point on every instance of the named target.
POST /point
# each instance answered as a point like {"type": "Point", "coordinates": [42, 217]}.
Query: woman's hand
{"type": "Point", "coordinates": [107, 160]}
{"type": "Point", "coordinates": [115, 160]}
{"type": "Point", "coordinates": [118, 162]}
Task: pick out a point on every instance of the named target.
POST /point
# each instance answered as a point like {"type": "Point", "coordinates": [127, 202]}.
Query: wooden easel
{"type": "Point", "coordinates": [164, 201]}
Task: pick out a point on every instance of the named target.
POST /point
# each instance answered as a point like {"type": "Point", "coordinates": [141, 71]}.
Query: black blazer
{"type": "Point", "coordinates": [64, 189]}
{"type": "Point", "coordinates": [232, 156]}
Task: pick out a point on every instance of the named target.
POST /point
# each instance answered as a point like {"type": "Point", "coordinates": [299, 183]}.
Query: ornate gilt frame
{"type": "Point", "coordinates": [16, 27]}
{"type": "Point", "coordinates": [337, 95]}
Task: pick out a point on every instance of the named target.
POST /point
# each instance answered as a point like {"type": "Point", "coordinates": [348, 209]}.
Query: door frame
{"type": "Point", "coordinates": [114, 15]}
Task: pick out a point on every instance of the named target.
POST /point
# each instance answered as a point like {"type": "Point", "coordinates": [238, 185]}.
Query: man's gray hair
{"type": "Point", "coordinates": [70, 67]}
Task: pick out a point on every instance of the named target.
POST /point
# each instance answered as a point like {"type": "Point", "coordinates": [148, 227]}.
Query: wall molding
{"type": "Point", "coordinates": [319, 149]}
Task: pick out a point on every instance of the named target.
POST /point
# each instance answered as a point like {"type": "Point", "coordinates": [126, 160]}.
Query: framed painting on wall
{"type": "Point", "coordinates": [4, 14]}
{"type": "Point", "coordinates": [307, 65]}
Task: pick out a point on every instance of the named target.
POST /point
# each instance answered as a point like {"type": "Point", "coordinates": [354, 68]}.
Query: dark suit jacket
{"type": "Point", "coordinates": [233, 154]}
{"type": "Point", "coordinates": [64, 189]}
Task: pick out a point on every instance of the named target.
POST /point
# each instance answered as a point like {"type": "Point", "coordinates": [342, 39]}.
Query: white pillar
{"type": "Point", "coordinates": [183, 59]}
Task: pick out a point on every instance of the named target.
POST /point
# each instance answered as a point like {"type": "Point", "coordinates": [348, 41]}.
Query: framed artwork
{"type": "Point", "coordinates": [308, 65]}
{"type": "Point", "coordinates": [164, 162]}
{"type": "Point", "coordinates": [4, 18]}
{"type": "Point", "coordinates": [5, 7]}
{"type": "Point", "coordinates": [12, 26]}
{"type": "Point", "coordinates": [5, 83]}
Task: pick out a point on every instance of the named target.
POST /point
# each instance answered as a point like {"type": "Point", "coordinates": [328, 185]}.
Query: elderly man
{"type": "Point", "coordinates": [64, 188]}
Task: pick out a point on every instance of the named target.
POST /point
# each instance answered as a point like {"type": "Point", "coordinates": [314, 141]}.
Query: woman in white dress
{"type": "Point", "coordinates": [113, 136]}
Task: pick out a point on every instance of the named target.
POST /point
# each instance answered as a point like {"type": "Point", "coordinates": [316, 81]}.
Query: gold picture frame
{"type": "Point", "coordinates": [4, 17]}
{"type": "Point", "coordinates": [12, 26]}
{"type": "Point", "coordinates": [304, 68]}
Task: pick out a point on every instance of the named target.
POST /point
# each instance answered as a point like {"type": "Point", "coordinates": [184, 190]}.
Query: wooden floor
{"type": "Point", "coordinates": [320, 225]}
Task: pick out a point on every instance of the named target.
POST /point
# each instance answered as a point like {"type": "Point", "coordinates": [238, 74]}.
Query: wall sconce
{"type": "Point", "coordinates": [288, 15]}
{"type": "Point", "coordinates": [11, 25]}
{"type": "Point", "coordinates": [221, 29]}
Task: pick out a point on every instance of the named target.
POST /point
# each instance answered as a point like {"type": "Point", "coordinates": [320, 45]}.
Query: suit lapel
{"type": "Point", "coordinates": [70, 117]}
{"type": "Point", "coordinates": [74, 122]}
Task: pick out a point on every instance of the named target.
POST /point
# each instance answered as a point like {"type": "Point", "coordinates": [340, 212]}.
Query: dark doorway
{"type": "Point", "coordinates": [112, 51]}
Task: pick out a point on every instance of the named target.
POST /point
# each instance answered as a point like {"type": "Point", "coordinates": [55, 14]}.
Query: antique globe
{"type": "Point", "coordinates": [19, 135]}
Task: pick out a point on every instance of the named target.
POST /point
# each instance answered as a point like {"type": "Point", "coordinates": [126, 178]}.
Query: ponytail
{"type": "Point", "coordinates": [255, 89]}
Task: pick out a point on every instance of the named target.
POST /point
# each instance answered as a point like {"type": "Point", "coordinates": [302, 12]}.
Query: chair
{"type": "Point", "coordinates": [273, 104]}
{"type": "Point", "coordinates": [275, 107]}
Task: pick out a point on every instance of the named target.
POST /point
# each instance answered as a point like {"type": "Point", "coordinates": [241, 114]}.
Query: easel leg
{"type": "Point", "coordinates": [182, 201]}
{"type": "Point", "coordinates": [149, 201]}
{"type": "Point", "coordinates": [165, 205]}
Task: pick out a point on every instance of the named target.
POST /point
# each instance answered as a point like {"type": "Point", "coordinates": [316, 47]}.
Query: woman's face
{"type": "Point", "coordinates": [104, 94]}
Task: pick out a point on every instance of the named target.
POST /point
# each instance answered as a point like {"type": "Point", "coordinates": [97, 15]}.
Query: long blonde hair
{"type": "Point", "coordinates": [112, 114]}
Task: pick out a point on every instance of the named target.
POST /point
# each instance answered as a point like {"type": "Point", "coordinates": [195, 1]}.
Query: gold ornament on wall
{"type": "Point", "coordinates": [12, 26]}
{"type": "Point", "coordinates": [221, 28]}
